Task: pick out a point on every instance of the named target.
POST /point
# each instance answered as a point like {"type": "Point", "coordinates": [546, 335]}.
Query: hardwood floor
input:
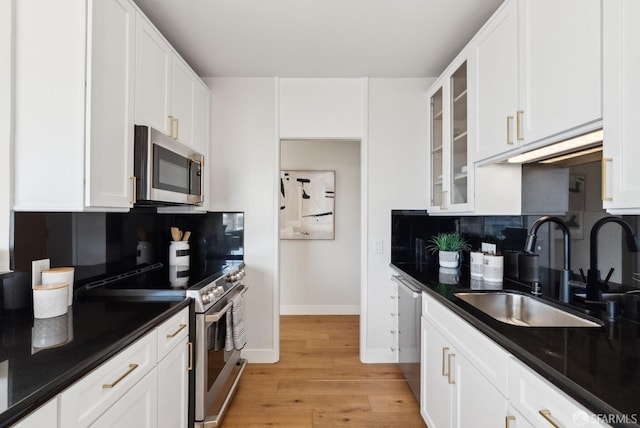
{"type": "Point", "coordinates": [320, 382]}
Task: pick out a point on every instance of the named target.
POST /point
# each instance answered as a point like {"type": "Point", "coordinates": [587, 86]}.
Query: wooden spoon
{"type": "Point", "coordinates": [186, 235]}
{"type": "Point", "coordinates": [176, 234]}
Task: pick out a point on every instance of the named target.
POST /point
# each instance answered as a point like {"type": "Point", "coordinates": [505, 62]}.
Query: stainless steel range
{"type": "Point", "coordinates": [218, 365]}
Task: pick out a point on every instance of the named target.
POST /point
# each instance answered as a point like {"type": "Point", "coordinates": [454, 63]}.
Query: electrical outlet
{"type": "Point", "coordinates": [379, 247]}
{"type": "Point", "coordinates": [37, 266]}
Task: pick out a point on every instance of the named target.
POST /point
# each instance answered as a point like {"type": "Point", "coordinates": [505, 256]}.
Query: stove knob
{"type": "Point", "coordinates": [220, 290]}
{"type": "Point", "coordinates": [205, 298]}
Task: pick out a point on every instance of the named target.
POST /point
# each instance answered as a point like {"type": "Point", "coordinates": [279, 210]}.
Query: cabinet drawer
{"type": "Point", "coordinates": [87, 399]}
{"type": "Point", "coordinates": [532, 396]}
{"type": "Point", "coordinates": [172, 332]}
{"type": "Point", "coordinates": [483, 353]}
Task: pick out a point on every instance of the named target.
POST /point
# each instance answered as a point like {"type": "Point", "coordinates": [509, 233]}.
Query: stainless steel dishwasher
{"type": "Point", "coordinates": [409, 312]}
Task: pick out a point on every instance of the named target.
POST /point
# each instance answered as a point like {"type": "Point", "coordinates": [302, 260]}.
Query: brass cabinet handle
{"type": "Point", "coordinates": [177, 128]}
{"type": "Point", "coordinates": [190, 356]}
{"type": "Point", "coordinates": [509, 131]}
{"type": "Point", "coordinates": [450, 358]}
{"type": "Point", "coordinates": [171, 126]}
{"type": "Point", "coordinates": [444, 353]}
{"type": "Point", "coordinates": [547, 415]}
{"type": "Point", "coordinates": [508, 419]}
{"type": "Point", "coordinates": [134, 186]}
{"type": "Point", "coordinates": [132, 367]}
{"type": "Point", "coordinates": [604, 179]}
{"type": "Point", "coordinates": [182, 327]}
{"type": "Point", "coordinates": [519, 121]}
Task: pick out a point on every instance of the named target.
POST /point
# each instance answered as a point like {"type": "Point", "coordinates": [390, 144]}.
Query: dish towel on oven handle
{"type": "Point", "coordinates": [236, 336]}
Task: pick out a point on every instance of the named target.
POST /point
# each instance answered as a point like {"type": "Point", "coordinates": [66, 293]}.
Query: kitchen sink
{"type": "Point", "coordinates": [526, 311]}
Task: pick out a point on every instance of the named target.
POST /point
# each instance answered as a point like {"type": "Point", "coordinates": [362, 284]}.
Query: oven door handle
{"type": "Point", "coordinates": [215, 317]}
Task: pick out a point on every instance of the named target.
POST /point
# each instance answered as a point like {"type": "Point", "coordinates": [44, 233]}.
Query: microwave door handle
{"type": "Point", "coordinates": [197, 160]}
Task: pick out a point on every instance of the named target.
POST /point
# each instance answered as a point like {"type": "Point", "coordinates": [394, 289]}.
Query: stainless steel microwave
{"type": "Point", "coordinates": [166, 172]}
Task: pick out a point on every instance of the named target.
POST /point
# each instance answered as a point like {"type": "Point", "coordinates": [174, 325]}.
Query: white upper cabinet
{"type": "Point", "coordinates": [170, 97]}
{"type": "Point", "coordinates": [560, 64]}
{"type": "Point", "coordinates": [74, 104]}
{"type": "Point", "coordinates": [538, 74]}
{"type": "Point", "coordinates": [621, 68]}
{"type": "Point", "coordinates": [496, 53]}
{"type": "Point", "coordinates": [153, 77]}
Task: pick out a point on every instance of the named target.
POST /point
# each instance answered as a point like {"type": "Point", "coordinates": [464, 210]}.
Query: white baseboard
{"type": "Point", "coordinates": [319, 309]}
{"type": "Point", "coordinates": [260, 355]}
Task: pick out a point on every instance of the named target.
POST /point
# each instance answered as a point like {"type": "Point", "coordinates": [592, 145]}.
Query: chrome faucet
{"type": "Point", "coordinates": [595, 286]}
{"type": "Point", "coordinates": [529, 247]}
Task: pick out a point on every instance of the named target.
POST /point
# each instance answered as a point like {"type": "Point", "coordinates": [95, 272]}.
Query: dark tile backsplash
{"type": "Point", "coordinates": [102, 244]}
{"type": "Point", "coordinates": [412, 229]}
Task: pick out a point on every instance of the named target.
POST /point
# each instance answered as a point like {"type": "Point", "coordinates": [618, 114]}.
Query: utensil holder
{"type": "Point", "coordinates": [179, 253]}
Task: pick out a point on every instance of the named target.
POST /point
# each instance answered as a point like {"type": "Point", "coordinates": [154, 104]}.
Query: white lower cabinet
{"type": "Point", "coordinates": [542, 403]}
{"type": "Point", "coordinates": [144, 385]}
{"type": "Point", "coordinates": [45, 416]}
{"type": "Point", "coordinates": [137, 408]}
{"type": "Point", "coordinates": [467, 380]}
{"type": "Point", "coordinates": [455, 394]}
{"type": "Point", "coordinates": [85, 401]}
{"type": "Point", "coordinates": [174, 363]}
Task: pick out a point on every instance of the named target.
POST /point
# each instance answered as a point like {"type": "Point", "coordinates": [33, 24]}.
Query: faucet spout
{"type": "Point", "coordinates": [565, 291]}
{"type": "Point", "coordinates": [595, 285]}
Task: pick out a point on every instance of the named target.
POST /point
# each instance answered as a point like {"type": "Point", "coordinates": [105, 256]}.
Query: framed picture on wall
{"type": "Point", "coordinates": [307, 204]}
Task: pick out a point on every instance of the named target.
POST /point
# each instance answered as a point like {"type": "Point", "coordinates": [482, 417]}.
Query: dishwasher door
{"type": "Point", "coordinates": [409, 312]}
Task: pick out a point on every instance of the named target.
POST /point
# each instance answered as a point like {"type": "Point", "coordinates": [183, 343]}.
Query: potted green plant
{"type": "Point", "coordinates": [448, 246]}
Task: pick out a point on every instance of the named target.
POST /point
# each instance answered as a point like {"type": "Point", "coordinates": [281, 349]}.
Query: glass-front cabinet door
{"type": "Point", "coordinates": [459, 153]}
{"type": "Point", "coordinates": [451, 186]}
{"type": "Point", "coordinates": [437, 152]}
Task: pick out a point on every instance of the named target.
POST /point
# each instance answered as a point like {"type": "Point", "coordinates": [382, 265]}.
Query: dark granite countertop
{"type": "Point", "coordinates": [34, 367]}
{"type": "Point", "coordinates": [598, 367]}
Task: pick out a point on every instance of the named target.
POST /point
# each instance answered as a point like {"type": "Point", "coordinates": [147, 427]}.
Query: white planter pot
{"type": "Point", "coordinates": [449, 259]}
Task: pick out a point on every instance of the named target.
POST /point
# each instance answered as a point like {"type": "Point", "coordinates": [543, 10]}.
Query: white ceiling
{"type": "Point", "coordinates": [318, 38]}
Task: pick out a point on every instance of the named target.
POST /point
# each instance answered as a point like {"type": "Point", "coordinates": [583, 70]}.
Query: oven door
{"type": "Point", "coordinates": [214, 364]}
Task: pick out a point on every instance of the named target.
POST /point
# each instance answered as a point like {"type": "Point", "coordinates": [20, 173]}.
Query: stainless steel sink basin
{"type": "Point", "coordinates": [524, 310]}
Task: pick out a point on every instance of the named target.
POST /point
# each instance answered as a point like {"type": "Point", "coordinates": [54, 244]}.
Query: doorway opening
{"type": "Point", "coordinates": [322, 276]}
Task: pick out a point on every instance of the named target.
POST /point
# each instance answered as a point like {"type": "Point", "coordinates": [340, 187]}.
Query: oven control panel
{"type": "Point", "coordinates": [210, 293]}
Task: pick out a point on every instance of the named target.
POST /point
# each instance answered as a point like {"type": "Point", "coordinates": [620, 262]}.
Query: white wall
{"type": "Point", "coordinates": [6, 126]}
{"type": "Point", "coordinates": [397, 165]}
{"type": "Point", "coordinates": [245, 152]}
{"type": "Point", "coordinates": [244, 175]}
{"type": "Point", "coordinates": [323, 276]}
{"type": "Point", "coordinates": [321, 108]}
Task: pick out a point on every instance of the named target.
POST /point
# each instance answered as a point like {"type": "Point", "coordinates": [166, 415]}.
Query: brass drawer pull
{"type": "Point", "coordinates": [547, 415]}
{"type": "Point", "coordinates": [509, 132]}
{"type": "Point", "coordinates": [444, 353]}
{"type": "Point", "coordinates": [508, 419]}
{"type": "Point", "coordinates": [134, 185]}
{"type": "Point", "coordinates": [519, 121]}
{"type": "Point", "coordinates": [451, 381]}
{"type": "Point", "coordinates": [190, 356]}
{"type": "Point", "coordinates": [605, 197]}
{"type": "Point", "coordinates": [182, 327]}
{"type": "Point", "coordinates": [132, 367]}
